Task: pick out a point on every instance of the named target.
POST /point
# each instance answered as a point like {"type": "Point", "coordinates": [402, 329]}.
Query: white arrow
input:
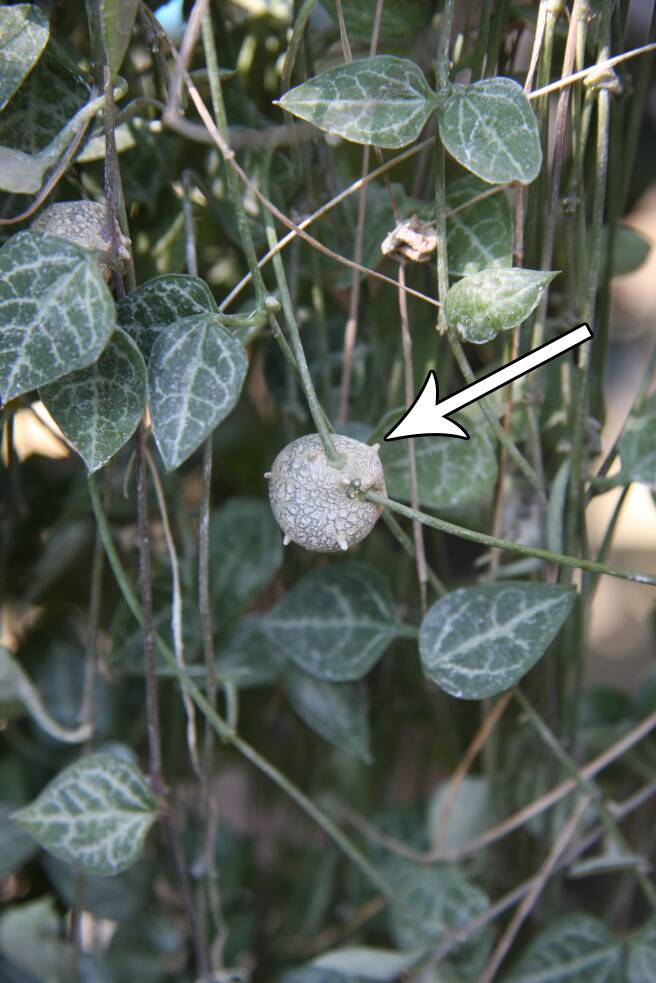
{"type": "Point", "coordinates": [430, 415]}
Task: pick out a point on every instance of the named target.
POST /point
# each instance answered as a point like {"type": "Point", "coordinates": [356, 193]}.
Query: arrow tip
{"type": "Point", "coordinates": [424, 417]}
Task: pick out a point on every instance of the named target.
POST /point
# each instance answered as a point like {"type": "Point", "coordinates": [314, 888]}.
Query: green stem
{"type": "Point", "coordinates": [234, 190]}
{"type": "Point", "coordinates": [224, 731]}
{"type": "Point", "coordinates": [560, 559]}
{"type": "Point", "coordinates": [305, 379]}
{"type": "Point", "coordinates": [407, 544]}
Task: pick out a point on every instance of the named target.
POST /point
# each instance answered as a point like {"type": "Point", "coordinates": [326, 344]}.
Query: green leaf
{"type": "Point", "coordinates": [99, 408]}
{"type": "Point", "coordinates": [117, 18]}
{"type": "Point", "coordinates": [196, 371]}
{"type": "Point", "coordinates": [480, 236]}
{"type": "Point", "coordinates": [245, 553]}
{"type": "Point", "coordinates": [575, 949]}
{"type": "Point", "coordinates": [335, 622]}
{"type": "Point", "coordinates": [381, 965]}
{"type": "Point", "coordinates": [337, 712]}
{"type": "Point", "coordinates": [451, 474]}
{"type": "Point", "coordinates": [118, 898]}
{"type": "Point", "coordinates": [16, 847]}
{"type": "Point", "coordinates": [24, 34]}
{"type": "Point", "coordinates": [160, 302]}
{"type": "Point", "coordinates": [399, 22]}
{"type": "Point", "coordinates": [482, 305]}
{"type": "Point", "coordinates": [384, 101]}
{"type": "Point", "coordinates": [31, 937]}
{"type": "Point", "coordinates": [479, 641]}
{"type": "Point", "coordinates": [641, 964]}
{"type": "Point", "coordinates": [245, 656]}
{"type": "Point", "coordinates": [95, 814]}
{"type": "Point", "coordinates": [430, 903]}
{"type": "Point", "coordinates": [637, 446]}
{"type": "Point", "coordinates": [491, 129]}
{"type": "Point", "coordinates": [56, 313]}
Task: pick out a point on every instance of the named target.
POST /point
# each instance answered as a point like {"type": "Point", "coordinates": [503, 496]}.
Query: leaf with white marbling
{"type": "Point", "coordinates": [336, 622]}
{"type": "Point", "coordinates": [384, 101]}
{"type": "Point", "coordinates": [99, 408]}
{"type": "Point", "coordinates": [95, 814]}
{"type": "Point", "coordinates": [56, 313]}
{"type": "Point", "coordinates": [478, 641]}
{"type": "Point", "coordinates": [24, 34]}
{"type": "Point", "coordinates": [195, 374]}
{"type": "Point", "coordinates": [491, 129]}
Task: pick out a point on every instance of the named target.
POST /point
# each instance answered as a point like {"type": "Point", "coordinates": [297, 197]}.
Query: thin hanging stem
{"type": "Point", "coordinates": [222, 728]}
{"type": "Point", "coordinates": [417, 530]}
{"type": "Point", "coordinates": [577, 563]}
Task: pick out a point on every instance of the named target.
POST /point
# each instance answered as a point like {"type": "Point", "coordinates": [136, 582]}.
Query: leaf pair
{"type": "Point", "coordinates": [489, 127]}
{"type": "Point", "coordinates": [336, 622]}
{"type": "Point", "coordinates": [60, 335]}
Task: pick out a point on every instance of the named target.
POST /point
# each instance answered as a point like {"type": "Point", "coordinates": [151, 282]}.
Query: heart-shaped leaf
{"type": "Point", "coordinates": [99, 408]}
{"type": "Point", "coordinates": [384, 101]}
{"type": "Point", "coordinates": [486, 303]}
{"type": "Point", "coordinates": [491, 129]}
{"type": "Point", "coordinates": [195, 373]}
{"type": "Point", "coordinates": [160, 302]}
{"type": "Point", "coordinates": [572, 949]}
{"type": "Point", "coordinates": [430, 903]}
{"type": "Point", "coordinates": [24, 34]}
{"type": "Point", "coordinates": [479, 641]}
{"type": "Point", "coordinates": [56, 313]}
{"type": "Point", "coordinates": [335, 711]}
{"type": "Point", "coordinates": [95, 814]}
{"type": "Point", "coordinates": [479, 236]}
{"type": "Point", "coordinates": [336, 622]}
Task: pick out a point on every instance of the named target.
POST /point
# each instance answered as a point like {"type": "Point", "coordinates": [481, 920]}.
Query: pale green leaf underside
{"type": "Point", "coordinates": [99, 408]}
{"type": "Point", "coordinates": [24, 34]}
{"type": "Point", "coordinates": [486, 303]}
{"type": "Point", "coordinates": [491, 129]}
{"type": "Point", "coordinates": [384, 101]}
{"type": "Point", "coordinates": [245, 552]}
{"type": "Point", "coordinates": [335, 711]}
{"type": "Point", "coordinates": [479, 237]}
{"type": "Point", "coordinates": [336, 622]}
{"type": "Point", "coordinates": [56, 313]}
{"type": "Point", "coordinates": [375, 965]}
{"type": "Point", "coordinates": [451, 474]}
{"type": "Point", "coordinates": [160, 302]}
{"type": "Point", "coordinates": [575, 949]}
{"type": "Point", "coordinates": [195, 374]}
{"type": "Point", "coordinates": [638, 446]}
{"type": "Point", "coordinates": [95, 814]}
{"type": "Point", "coordinates": [479, 641]}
